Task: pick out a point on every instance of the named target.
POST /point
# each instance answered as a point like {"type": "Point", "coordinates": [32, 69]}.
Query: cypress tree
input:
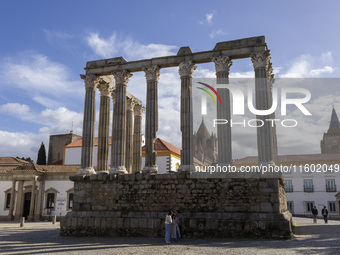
{"type": "Point", "coordinates": [41, 155]}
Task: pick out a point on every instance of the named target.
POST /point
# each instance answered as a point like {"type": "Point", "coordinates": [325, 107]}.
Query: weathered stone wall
{"type": "Point", "coordinates": [136, 205]}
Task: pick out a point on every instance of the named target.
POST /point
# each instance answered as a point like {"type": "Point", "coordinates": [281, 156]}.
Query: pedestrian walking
{"type": "Point", "coordinates": [315, 214]}
{"type": "Point", "coordinates": [325, 214]}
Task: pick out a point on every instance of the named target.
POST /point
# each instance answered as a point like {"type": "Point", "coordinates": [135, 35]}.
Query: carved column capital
{"type": "Point", "coordinates": [260, 59]}
{"type": "Point", "coordinates": [152, 73]}
{"type": "Point", "coordinates": [138, 110]}
{"type": "Point", "coordinates": [130, 104]}
{"type": "Point", "coordinates": [104, 87]}
{"type": "Point", "coordinates": [122, 77]}
{"type": "Point", "coordinates": [222, 64]}
{"type": "Point", "coordinates": [186, 68]}
{"type": "Point", "coordinates": [90, 80]}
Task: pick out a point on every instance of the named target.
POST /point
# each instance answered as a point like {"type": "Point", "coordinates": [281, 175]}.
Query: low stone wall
{"type": "Point", "coordinates": [136, 205]}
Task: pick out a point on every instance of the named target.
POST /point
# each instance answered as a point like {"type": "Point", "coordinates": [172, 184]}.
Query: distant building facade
{"type": "Point", "coordinates": [56, 147]}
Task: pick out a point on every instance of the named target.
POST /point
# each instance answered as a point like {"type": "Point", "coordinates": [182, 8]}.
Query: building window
{"type": "Point", "coordinates": [331, 207]}
{"type": "Point", "coordinates": [70, 196]}
{"type": "Point", "coordinates": [288, 186]}
{"type": "Point", "coordinates": [308, 186]}
{"type": "Point", "coordinates": [70, 200]}
{"type": "Point", "coordinates": [50, 198]}
{"type": "Point", "coordinates": [50, 201]}
{"type": "Point", "coordinates": [309, 206]}
{"type": "Point", "coordinates": [330, 186]}
{"type": "Point", "coordinates": [8, 200]}
{"type": "Point", "coordinates": [290, 206]}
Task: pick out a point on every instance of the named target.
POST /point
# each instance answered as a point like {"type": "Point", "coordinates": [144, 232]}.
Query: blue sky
{"type": "Point", "coordinates": [45, 46]}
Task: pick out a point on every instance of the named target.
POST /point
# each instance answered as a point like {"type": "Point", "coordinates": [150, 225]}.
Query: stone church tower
{"type": "Point", "coordinates": [330, 144]}
{"type": "Point", "coordinates": [205, 145]}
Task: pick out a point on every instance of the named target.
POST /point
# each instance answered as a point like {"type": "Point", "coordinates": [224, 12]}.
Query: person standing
{"type": "Point", "coordinates": [175, 235]}
{"type": "Point", "coordinates": [180, 223]}
{"type": "Point", "coordinates": [168, 221]}
{"type": "Point", "coordinates": [325, 214]}
{"type": "Point", "coordinates": [315, 214]}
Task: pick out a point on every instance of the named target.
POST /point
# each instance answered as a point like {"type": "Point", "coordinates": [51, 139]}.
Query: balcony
{"type": "Point", "coordinates": [289, 189]}
{"type": "Point", "coordinates": [331, 188]}
{"type": "Point", "coordinates": [308, 188]}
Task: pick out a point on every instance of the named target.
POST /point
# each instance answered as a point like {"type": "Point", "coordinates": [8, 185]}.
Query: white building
{"type": "Point", "coordinates": [35, 192]}
{"type": "Point", "coordinates": [313, 180]}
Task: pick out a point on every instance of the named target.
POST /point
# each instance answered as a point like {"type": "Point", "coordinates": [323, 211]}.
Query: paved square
{"type": "Point", "coordinates": [43, 238]}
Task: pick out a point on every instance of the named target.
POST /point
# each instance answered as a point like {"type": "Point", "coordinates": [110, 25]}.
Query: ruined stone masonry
{"type": "Point", "coordinates": [112, 202]}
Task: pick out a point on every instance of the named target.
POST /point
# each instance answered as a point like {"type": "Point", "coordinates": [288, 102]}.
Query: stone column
{"type": "Point", "coordinates": [87, 151]}
{"type": "Point", "coordinates": [137, 138]}
{"type": "Point", "coordinates": [19, 204]}
{"type": "Point", "coordinates": [31, 215]}
{"type": "Point", "coordinates": [186, 70]}
{"type": "Point", "coordinates": [129, 130]}
{"type": "Point", "coordinates": [266, 133]}
{"type": "Point", "coordinates": [11, 206]}
{"type": "Point", "coordinates": [222, 66]}
{"type": "Point", "coordinates": [104, 126]}
{"type": "Point", "coordinates": [119, 123]}
{"type": "Point", "coordinates": [37, 212]}
{"type": "Point", "coordinates": [151, 118]}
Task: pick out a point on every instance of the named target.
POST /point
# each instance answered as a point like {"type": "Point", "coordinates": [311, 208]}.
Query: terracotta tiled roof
{"type": "Point", "coordinates": [28, 167]}
{"type": "Point", "coordinates": [78, 143]}
{"type": "Point", "coordinates": [61, 168]}
{"type": "Point", "coordinates": [11, 161]}
{"type": "Point", "coordinates": [162, 146]}
{"type": "Point", "coordinates": [282, 159]}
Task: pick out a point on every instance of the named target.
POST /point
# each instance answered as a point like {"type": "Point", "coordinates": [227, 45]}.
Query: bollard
{"type": "Point", "coordinates": [54, 219]}
{"type": "Point", "coordinates": [22, 222]}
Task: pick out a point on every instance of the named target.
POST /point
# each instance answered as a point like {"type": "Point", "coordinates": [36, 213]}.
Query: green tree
{"type": "Point", "coordinates": [41, 155]}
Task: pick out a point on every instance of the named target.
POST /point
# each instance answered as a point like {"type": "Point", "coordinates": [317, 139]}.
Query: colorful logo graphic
{"type": "Point", "coordinates": [209, 93]}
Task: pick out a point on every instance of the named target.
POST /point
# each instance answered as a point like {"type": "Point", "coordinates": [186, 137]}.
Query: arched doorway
{"type": "Point", "coordinates": [27, 205]}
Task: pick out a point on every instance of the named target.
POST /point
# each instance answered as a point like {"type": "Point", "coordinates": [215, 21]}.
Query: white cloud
{"type": "Point", "coordinates": [310, 66]}
{"type": "Point", "coordinates": [218, 32]}
{"type": "Point", "coordinates": [47, 82]}
{"type": "Point", "coordinates": [113, 46]}
{"type": "Point", "coordinates": [22, 144]}
{"type": "Point", "coordinates": [207, 19]}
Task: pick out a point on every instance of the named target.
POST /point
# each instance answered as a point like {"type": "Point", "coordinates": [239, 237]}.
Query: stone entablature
{"type": "Point", "coordinates": [136, 205]}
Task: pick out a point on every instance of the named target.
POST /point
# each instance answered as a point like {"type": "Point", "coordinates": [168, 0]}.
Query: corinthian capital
{"type": "Point", "coordinates": [222, 64]}
{"type": "Point", "coordinates": [186, 68]}
{"type": "Point", "coordinates": [104, 87]}
{"type": "Point", "coordinates": [122, 77]}
{"type": "Point", "coordinates": [152, 73]}
{"type": "Point", "coordinates": [138, 110]}
{"type": "Point", "coordinates": [90, 80]}
{"type": "Point", "coordinates": [130, 104]}
{"type": "Point", "coordinates": [260, 59]}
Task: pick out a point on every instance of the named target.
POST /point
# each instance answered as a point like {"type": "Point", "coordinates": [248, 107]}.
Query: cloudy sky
{"type": "Point", "coordinates": [45, 46]}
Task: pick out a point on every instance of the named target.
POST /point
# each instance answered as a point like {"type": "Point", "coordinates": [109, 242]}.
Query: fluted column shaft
{"type": "Point", "coordinates": [187, 158]}
{"type": "Point", "coordinates": [129, 130]}
{"type": "Point", "coordinates": [151, 118]}
{"type": "Point", "coordinates": [87, 151]}
{"type": "Point", "coordinates": [266, 140]}
{"type": "Point", "coordinates": [11, 206]}
{"type": "Point", "coordinates": [137, 138]}
{"type": "Point", "coordinates": [119, 123]}
{"type": "Point", "coordinates": [222, 66]}
{"type": "Point", "coordinates": [104, 127]}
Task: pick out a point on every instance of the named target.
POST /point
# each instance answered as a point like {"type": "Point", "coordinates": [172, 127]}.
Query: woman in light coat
{"type": "Point", "coordinates": [168, 221]}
